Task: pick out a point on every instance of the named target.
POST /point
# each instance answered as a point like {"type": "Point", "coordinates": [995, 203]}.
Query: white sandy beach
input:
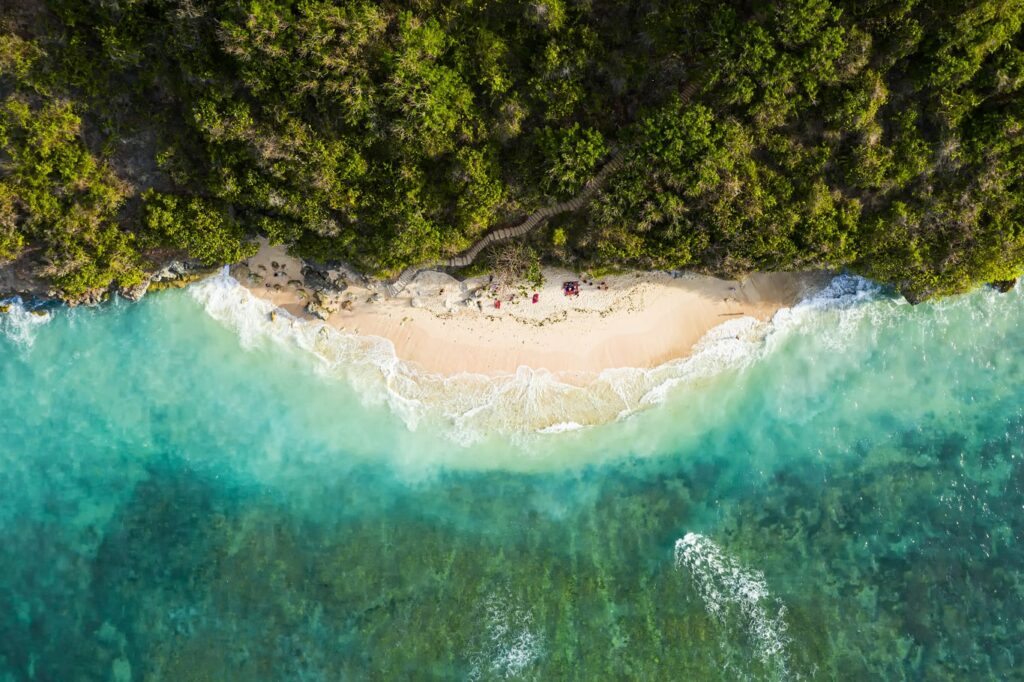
{"type": "Point", "coordinates": [447, 327]}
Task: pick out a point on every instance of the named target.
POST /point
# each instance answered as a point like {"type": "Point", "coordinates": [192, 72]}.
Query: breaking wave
{"type": "Point", "coordinates": [528, 401]}
{"type": "Point", "coordinates": [19, 323]}
{"type": "Point", "coordinates": [509, 642]}
{"type": "Point", "coordinates": [736, 598]}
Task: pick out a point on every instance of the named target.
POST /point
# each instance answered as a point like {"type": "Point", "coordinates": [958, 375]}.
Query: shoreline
{"type": "Point", "coordinates": [445, 326]}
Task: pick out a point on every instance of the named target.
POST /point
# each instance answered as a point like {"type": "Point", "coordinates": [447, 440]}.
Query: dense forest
{"type": "Point", "coordinates": [882, 136]}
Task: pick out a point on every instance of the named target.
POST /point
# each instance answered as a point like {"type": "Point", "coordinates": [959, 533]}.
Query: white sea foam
{"type": "Point", "coordinates": [510, 642]}
{"type": "Point", "coordinates": [736, 597]}
{"type": "Point", "coordinates": [835, 311]}
{"type": "Point", "coordinates": [528, 401]}
{"type": "Point", "coordinates": [19, 323]}
{"type": "Point", "coordinates": [561, 427]}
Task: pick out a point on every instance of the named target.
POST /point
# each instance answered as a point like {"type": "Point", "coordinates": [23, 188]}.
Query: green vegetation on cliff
{"type": "Point", "coordinates": [886, 137]}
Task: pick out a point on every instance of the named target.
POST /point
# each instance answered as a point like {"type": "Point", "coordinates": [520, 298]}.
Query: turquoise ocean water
{"type": "Point", "coordinates": [189, 491]}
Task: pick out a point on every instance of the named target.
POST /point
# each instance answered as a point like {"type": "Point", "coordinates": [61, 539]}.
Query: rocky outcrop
{"type": "Point", "coordinates": [1003, 285]}
{"type": "Point", "coordinates": [322, 305]}
{"type": "Point", "coordinates": [175, 275]}
{"type": "Point", "coordinates": [320, 279]}
{"type": "Point", "coordinates": [136, 292]}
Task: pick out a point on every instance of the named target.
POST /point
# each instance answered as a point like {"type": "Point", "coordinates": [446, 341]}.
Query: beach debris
{"type": "Point", "coordinates": [346, 304]}
{"type": "Point", "coordinates": [275, 265]}
{"type": "Point", "coordinates": [273, 316]}
{"type": "Point", "coordinates": [536, 297]}
{"type": "Point", "coordinates": [416, 303]}
{"type": "Point", "coordinates": [571, 288]}
{"type": "Point", "coordinates": [5, 308]}
{"type": "Point", "coordinates": [375, 298]}
{"type": "Point", "coordinates": [497, 304]}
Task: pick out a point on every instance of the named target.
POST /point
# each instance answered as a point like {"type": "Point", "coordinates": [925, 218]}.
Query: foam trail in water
{"type": "Point", "coordinates": [736, 597]}
{"type": "Point", "coordinates": [19, 323]}
{"type": "Point", "coordinates": [528, 401]}
{"type": "Point", "coordinates": [510, 642]}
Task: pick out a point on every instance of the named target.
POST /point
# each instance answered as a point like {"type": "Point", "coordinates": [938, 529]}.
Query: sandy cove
{"type": "Point", "coordinates": [445, 326]}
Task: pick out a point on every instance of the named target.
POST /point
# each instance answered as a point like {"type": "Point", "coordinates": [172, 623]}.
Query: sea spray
{"type": "Point", "coordinates": [736, 597]}
{"type": "Point", "coordinates": [19, 323]}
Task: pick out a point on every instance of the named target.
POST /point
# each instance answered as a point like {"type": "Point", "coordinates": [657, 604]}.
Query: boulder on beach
{"type": "Point", "coordinates": [321, 306]}
{"type": "Point", "coordinates": [322, 280]}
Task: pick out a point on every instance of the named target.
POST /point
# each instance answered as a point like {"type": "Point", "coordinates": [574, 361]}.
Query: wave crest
{"type": "Point", "coordinates": [736, 597]}
{"type": "Point", "coordinates": [510, 643]}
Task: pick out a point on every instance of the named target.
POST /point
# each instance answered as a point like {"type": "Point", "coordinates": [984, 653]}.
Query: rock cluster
{"type": "Point", "coordinates": [322, 305]}
{"type": "Point", "coordinates": [1004, 285]}
{"type": "Point", "coordinates": [322, 280]}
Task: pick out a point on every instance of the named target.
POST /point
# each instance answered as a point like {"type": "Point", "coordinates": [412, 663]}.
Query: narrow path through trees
{"type": "Point", "coordinates": [501, 234]}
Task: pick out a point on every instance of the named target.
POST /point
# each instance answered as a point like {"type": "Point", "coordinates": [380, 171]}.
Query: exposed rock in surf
{"type": "Point", "coordinates": [241, 272]}
{"type": "Point", "coordinates": [89, 298]}
{"type": "Point", "coordinates": [136, 292]}
{"type": "Point", "coordinates": [172, 270]}
{"type": "Point", "coordinates": [179, 276]}
{"type": "Point", "coordinates": [1003, 285]}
